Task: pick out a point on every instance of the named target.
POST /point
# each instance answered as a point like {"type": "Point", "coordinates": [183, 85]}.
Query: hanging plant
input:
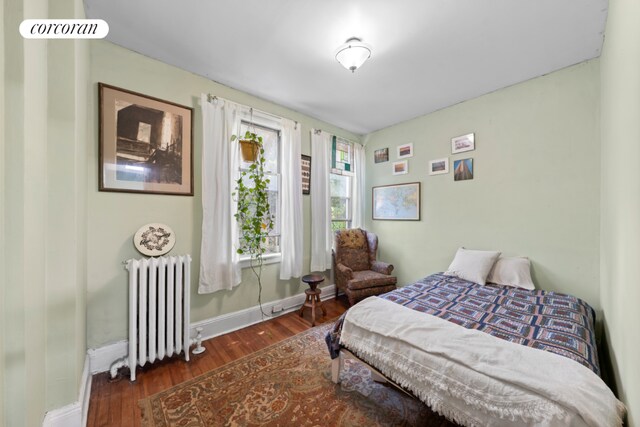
{"type": "Point", "coordinates": [254, 218]}
{"type": "Point", "coordinates": [249, 149]}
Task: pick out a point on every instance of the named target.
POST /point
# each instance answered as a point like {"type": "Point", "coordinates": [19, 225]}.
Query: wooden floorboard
{"type": "Point", "coordinates": [115, 403]}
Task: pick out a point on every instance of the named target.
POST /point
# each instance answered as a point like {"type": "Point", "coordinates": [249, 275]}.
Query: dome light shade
{"type": "Point", "coordinates": [353, 54]}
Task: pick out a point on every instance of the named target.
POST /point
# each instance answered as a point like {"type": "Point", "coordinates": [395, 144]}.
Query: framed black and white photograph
{"type": "Point", "coordinates": [399, 202]}
{"type": "Point", "coordinates": [405, 151]}
{"type": "Point", "coordinates": [146, 143]}
{"type": "Point", "coordinates": [381, 155]}
{"type": "Point", "coordinates": [463, 143]}
{"type": "Point", "coordinates": [306, 174]}
{"type": "Point", "coordinates": [439, 166]}
{"type": "Point", "coordinates": [401, 168]}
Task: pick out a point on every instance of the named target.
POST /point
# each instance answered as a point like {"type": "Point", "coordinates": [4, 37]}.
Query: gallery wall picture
{"type": "Point", "coordinates": [463, 143]}
{"type": "Point", "coordinates": [405, 150]}
{"type": "Point", "coordinates": [462, 169]}
{"type": "Point", "coordinates": [306, 174]}
{"type": "Point", "coordinates": [400, 168]}
{"type": "Point", "coordinates": [400, 202]}
{"type": "Point", "coordinates": [381, 155]}
{"type": "Point", "coordinates": [439, 166]}
{"type": "Point", "coordinates": [146, 143]}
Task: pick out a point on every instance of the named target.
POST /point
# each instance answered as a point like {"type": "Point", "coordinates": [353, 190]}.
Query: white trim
{"type": "Point", "coordinates": [101, 358]}
{"type": "Point", "coordinates": [74, 414]}
{"type": "Point", "coordinates": [226, 323]}
{"type": "Point", "coordinates": [245, 262]}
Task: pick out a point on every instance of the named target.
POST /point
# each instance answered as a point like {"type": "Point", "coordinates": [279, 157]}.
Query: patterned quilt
{"type": "Point", "coordinates": [548, 321]}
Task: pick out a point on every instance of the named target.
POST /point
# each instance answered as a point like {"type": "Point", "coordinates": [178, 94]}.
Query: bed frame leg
{"type": "Point", "coordinates": [336, 368]}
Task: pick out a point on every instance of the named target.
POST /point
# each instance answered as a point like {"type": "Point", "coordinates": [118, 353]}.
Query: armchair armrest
{"type": "Point", "coordinates": [381, 267]}
{"type": "Point", "coordinates": [345, 271]}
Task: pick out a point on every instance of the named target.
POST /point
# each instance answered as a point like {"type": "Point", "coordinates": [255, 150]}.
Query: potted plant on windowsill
{"type": "Point", "coordinates": [254, 218]}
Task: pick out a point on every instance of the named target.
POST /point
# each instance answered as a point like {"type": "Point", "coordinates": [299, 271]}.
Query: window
{"type": "Point", "coordinates": [340, 183]}
{"type": "Point", "coordinates": [271, 145]}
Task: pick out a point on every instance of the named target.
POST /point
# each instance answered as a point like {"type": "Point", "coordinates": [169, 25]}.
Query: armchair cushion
{"type": "Point", "coordinates": [369, 279]}
{"type": "Point", "coordinates": [352, 239]}
{"type": "Point", "coordinates": [356, 259]}
{"type": "Point", "coordinates": [381, 267]}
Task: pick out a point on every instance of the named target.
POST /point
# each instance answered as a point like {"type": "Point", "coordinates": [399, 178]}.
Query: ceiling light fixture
{"type": "Point", "coordinates": [353, 54]}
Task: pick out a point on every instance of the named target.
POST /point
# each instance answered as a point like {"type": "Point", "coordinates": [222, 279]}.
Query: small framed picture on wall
{"type": "Point", "coordinates": [305, 163]}
{"type": "Point", "coordinates": [400, 168]}
{"type": "Point", "coordinates": [463, 169]}
{"type": "Point", "coordinates": [381, 155]}
{"type": "Point", "coordinates": [463, 143]}
{"type": "Point", "coordinates": [405, 151]}
{"type": "Point", "coordinates": [439, 166]}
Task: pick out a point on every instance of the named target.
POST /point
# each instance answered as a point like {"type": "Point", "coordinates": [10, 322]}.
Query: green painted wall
{"type": "Point", "coordinates": [620, 208]}
{"type": "Point", "coordinates": [536, 188]}
{"type": "Point", "coordinates": [43, 202]}
{"type": "Point", "coordinates": [115, 217]}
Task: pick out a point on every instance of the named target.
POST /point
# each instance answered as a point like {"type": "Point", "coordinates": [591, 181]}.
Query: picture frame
{"type": "Point", "coordinates": [463, 143]}
{"type": "Point", "coordinates": [463, 169]}
{"type": "Point", "coordinates": [439, 166]}
{"type": "Point", "coordinates": [400, 168]}
{"type": "Point", "coordinates": [405, 150]}
{"type": "Point", "coordinates": [396, 202]}
{"type": "Point", "coordinates": [145, 143]}
{"type": "Point", "coordinates": [305, 165]}
{"type": "Point", "coordinates": [381, 155]}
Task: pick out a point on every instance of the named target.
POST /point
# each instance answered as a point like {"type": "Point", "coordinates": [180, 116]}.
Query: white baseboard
{"type": "Point", "coordinates": [241, 319]}
{"type": "Point", "coordinates": [101, 358]}
{"type": "Point", "coordinates": [74, 414]}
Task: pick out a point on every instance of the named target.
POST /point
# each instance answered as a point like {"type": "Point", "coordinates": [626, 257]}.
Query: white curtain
{"type": "Point", "coordinates": [219, 262]}
{"type": "Point", "coordinates": [357, 187]}
{"type": "Point", "coordinates": [291, 229]}
{"type": "Point", "coordinates": [321, 236]}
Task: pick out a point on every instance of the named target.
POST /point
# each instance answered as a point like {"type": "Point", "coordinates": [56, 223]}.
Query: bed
{"type": "Point", "coordinates": [489, 355]}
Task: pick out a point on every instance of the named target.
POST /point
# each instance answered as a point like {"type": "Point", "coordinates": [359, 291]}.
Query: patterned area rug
{"type": "Point", "coordinates": [287, 384]}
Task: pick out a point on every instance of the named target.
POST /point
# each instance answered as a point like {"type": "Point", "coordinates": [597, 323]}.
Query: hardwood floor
{"type": "Point", "coordinates": [116, 403]}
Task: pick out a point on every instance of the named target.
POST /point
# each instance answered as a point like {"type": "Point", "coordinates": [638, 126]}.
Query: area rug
{"type": "Point", "coordinates": [286, 384]}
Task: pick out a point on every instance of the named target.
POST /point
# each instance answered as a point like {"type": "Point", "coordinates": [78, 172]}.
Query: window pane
{"type": "Point", "coordinates": [269, 143]}
{"type": "Point", "coordinates": [340, 208]}
{"type": "Point", "coordinates": [340, 185]}
{"type": "Point", "coordinates": [340, 225]}
{"type": "Point", "coordinates": [342, 156]}
{"type": "Point", "coordinates": [272, 245]}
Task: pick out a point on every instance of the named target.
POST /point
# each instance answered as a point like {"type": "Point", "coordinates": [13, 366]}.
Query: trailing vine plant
{"type": "Point", "coordinates": [254, 218]}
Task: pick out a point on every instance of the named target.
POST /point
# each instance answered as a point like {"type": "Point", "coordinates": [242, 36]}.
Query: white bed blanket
{"type": "Point", "coordinates": [474, 378]}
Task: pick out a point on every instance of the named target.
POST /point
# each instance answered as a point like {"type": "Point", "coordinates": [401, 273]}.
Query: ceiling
{"type": "Point", "coordinates": [427, 54]}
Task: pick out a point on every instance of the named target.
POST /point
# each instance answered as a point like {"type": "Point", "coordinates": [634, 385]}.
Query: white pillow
{"type": "Point", "coordinates": [473, 266]}
{"type": "Point", "coordinates": [514, 271]}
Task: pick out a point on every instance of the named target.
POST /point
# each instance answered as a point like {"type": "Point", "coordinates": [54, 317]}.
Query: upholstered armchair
{"type": "Point", "coordinates": [357, 272]}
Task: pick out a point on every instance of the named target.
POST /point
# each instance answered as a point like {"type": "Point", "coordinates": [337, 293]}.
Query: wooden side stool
{"type": "Point", "coordinates": [313, 296]}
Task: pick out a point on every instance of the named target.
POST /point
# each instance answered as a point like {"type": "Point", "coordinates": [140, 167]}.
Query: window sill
{"type": "Point", "coordinates": [245, 262]}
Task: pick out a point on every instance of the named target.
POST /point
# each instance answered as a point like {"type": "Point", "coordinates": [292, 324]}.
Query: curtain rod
{"type": "Point", "coordinates": [319, 131]}
{"type": "Point", "coordinates": [212, 98]}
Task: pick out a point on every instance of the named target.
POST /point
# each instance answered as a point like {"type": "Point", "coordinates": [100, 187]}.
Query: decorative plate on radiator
{"type": "Point", "coordinates": [154, 239]}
